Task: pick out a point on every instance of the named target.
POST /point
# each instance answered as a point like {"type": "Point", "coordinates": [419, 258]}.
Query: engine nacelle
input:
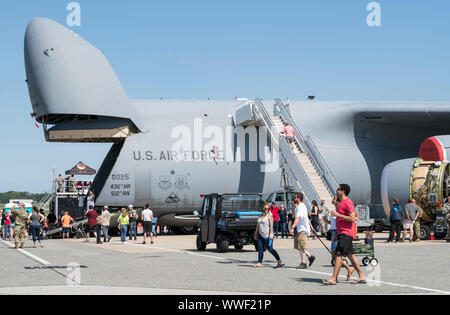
{"type": "Point", "coordinates": [395, 183]}
{"type": "Point", "coordinates": [426, 182]}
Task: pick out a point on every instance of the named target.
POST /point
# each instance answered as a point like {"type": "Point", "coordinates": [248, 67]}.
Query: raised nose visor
{"type": "Point", "coordinates": [72, 84]}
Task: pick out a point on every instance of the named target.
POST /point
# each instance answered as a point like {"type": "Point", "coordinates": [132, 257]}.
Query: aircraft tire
{"type": "Point", "coordinates": [184, 230]}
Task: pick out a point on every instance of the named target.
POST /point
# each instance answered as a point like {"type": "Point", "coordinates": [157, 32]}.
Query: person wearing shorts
{"type": "Point", "coordinates": [288, 132]}
{"type": "Point", "coordinates": [147, 218]}
{"type": "Point", "coordinates": [410, 215]}
{"type": "Point", "coordinates": [334, 241]}
{"type": "Point", "coordinates": [345, 216]}
{"type": "Point", "coordinates": [304, 227]}
{"type": "Point", "coordinates": [12, 225]}
{"type": "Point", "coordinates": [65, 220]}
{"type": "Point", "coordinates": [91, 226]}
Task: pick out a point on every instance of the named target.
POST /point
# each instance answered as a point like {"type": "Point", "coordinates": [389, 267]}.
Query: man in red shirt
{"type": "Point", "coordinates": [92, 215]}
{"type": "Point", "coordinates": [276, 219]}
{"type": "Point", "coordinates": [345, 216]}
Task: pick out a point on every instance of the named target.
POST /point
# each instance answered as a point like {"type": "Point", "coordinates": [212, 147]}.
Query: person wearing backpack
{"type": "Point", "coordinates": [396, 216]}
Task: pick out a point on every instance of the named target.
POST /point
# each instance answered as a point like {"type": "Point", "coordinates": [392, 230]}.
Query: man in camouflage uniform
{"type": "Point", "coordinates": [21, 216]}
{"type": "Point", "coordinates": [416, 225]}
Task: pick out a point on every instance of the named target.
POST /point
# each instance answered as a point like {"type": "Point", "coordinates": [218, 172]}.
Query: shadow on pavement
{"type": "Point", "coordinates": [309, 280]}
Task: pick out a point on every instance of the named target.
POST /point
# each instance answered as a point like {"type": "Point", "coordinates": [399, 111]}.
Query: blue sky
{"type": "Point", "coordinates": [223, 49]}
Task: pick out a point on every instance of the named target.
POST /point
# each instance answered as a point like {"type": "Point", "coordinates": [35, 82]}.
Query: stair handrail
{"type": "Point", "coordinates": [287, 155]}
{"type": "Point", "coordinates": [333, 185]}
{"type": "Point", "coordinates": [48, 197]}
{"type": "Point", "coordinates": [261, 110]}
{"type": "Point", "coordinates": [310, 149]}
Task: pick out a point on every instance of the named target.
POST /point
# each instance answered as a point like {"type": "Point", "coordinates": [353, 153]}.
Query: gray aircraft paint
{"type": "Point", "coordinates": [358, 139]}
{"type": "Point", "coordinates": [67, 76]}
{"type": "Point", "coordinates": [146, 161]}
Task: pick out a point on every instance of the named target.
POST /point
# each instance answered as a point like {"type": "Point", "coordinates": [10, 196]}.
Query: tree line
{"type": "Point", "coordinates": [6, 196]}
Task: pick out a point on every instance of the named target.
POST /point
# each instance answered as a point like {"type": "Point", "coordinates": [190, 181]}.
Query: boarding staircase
{"type": "Point", "coordinates": [44, 203]}
{"type": "Point", "coordinates": [304, 166]}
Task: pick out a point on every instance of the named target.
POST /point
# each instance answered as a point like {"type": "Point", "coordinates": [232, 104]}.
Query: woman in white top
{"type": "Point", "coordinates": [264, 237]}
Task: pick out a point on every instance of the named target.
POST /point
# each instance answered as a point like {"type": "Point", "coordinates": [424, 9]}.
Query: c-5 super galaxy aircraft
{"type": "Point", "coordinates": [169, 152]}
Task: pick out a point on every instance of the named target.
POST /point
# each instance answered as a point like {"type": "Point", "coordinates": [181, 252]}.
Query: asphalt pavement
{"type": "Point", "coordinates": [173, 266]}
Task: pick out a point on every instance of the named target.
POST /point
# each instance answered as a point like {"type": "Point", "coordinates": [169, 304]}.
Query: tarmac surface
{"type": "Point", "coordinates": [173, 266]}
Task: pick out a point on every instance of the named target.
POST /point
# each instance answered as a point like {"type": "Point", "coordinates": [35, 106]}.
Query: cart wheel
{"type": "Point", "coordinates": [345, 261]}
{"type": "Point", "coordinates": [366, 261]}
{"type": "Point", "coordinates": [374, 262]}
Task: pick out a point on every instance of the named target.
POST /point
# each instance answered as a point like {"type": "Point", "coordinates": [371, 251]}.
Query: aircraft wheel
{"type": "Point", "coordinates": [201, 246]}
{"type": "Point", "coordinates": [185, 230]}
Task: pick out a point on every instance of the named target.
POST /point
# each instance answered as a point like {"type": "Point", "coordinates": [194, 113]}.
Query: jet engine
{"type": "Point", "coordinates": [426, 182]}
